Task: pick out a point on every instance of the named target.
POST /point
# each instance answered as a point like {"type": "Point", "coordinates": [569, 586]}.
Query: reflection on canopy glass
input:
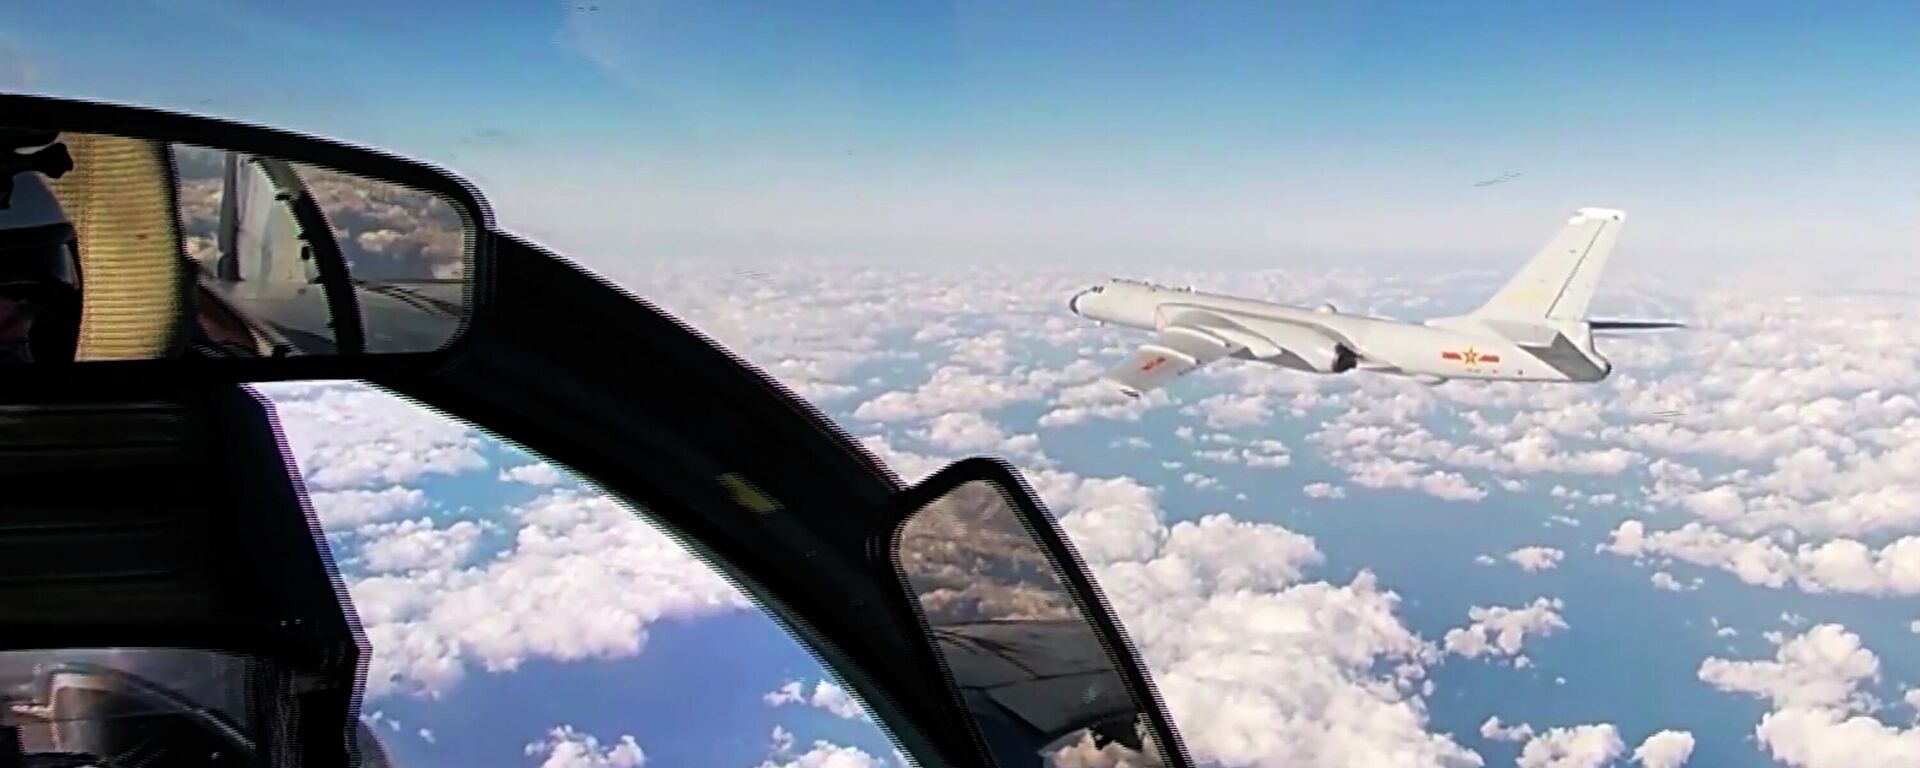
{"type": "Point", "coordinates": [145, 706]}
{"type": "Point", "coordinates": [116, 248]}
{"type": "Point", "coordinates": [1034, 674]}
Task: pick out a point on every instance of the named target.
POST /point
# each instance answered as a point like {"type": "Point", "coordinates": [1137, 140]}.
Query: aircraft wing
{"type": "Point", "coordinates": [1177, 351]}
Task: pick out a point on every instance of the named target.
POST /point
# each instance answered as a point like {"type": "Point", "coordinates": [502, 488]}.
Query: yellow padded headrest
{"type": "Point", "coordinates": [135, 281]}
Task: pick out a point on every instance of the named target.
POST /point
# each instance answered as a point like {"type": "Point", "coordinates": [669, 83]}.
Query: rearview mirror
{"type": "Point", "coordinates": [1031, 649]}
{"type": "Point", "coordinates": [129, 234]}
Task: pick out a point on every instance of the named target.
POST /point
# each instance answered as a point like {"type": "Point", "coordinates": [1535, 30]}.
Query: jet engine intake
{"type": "Point", "coordinates": [1305, 349]}
{"type": "Point", "coordinates": [1344, 359]}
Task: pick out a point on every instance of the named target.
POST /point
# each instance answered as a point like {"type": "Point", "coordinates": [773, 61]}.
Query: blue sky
{"type": "Point", "coordinates": [1210, 132]}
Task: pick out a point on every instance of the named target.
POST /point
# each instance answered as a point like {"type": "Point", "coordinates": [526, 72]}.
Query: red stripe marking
{"type": "Point", "coordinates": [1154, 363]}
{"type": "Point", "coordinates": [1490, 358]}
{"type": "Point", "coordinates": [1449, 355]}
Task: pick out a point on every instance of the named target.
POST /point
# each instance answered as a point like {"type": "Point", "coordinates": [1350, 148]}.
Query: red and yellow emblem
{"type": "Point", "coordinates": [1471, 357]}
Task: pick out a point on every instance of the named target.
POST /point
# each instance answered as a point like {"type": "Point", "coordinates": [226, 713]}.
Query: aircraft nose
{"type": "Point", "coordinates": [1073, 304]}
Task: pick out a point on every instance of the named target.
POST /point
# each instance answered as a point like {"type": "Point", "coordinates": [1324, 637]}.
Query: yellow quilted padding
{"type": "Point", "coordinates": [136, 282]}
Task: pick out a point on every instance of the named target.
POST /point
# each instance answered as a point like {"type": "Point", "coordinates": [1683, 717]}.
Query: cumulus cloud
{"type": "Point", "coordinates": [1258, 666]}
{"type": "Point", "coordinates": [1230, 411]}
{"type": "Point", "coordinates": [352, 436]}
{"type": "Point", "coordinates": [1840, 565]}
{"type": "Point", "coordinates": [1502, 631]}
{"type": "Point", "coordinates": [1581, 746]}
{"type": "Point", "coordinates": [1536, 558]}
{"type": "Point", "coordinates": [1666, 581]}
{"type": "Point", "coordinates": [1494, 730]}
{"type": "Point", "coordinates": [824, 754]}
{"type": "Point", "coordinates": [342, 510]}
{"type": "Point", "coordinates": [1821, 668]}
{"type": "Point", "coordinates": [584, 579]}
{"type": "Point", "coordinates": [964, 431]}
{"type": "Point", "coordinates": [411, 545]}
{"type": "Point", "coordinates": [1262, 453]}
{"type": "Point", "coordinates": [1388, 473]}
{"type": "Point", "coordinates": [953, 388]}
{"type": "Point", "coordinates": [565, 747]}
{"type": "Point", "coordinates": [986, 352]}
{"type": "Point", "coordinates": [1666, 749]}
{"type": "Point", "coordinates": [1200, 481]}
{"type": "Point", "coordinates": [538, 473]}
{"type": "Point", "coordinates": [1100, 400]}
{"type": "Point", "coordinates": [1820, 718]}
{"type": "Point", "coordinates": [1323, 491]}
{"type": "Point", "coordinates": [826, 695]}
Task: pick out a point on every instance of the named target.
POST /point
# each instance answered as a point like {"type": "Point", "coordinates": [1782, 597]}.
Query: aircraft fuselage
{"type": "Point", "coordinates": [1311, 339]}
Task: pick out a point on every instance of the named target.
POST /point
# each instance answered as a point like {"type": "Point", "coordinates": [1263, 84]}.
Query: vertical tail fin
{"type": "Point", "coordinates": [1559, 282]}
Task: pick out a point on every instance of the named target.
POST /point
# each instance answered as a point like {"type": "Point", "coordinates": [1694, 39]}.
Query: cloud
{"type": "Point", "coordinates": [343, 510]}
{"type": "Point", "coordinates": [1260, 453]}
{"type": "Point", "coordinates": [1536, 558]}
{"type": "Point", "coordinates": [1100, 400]}
{"type": "Point", "coordinates": [411, 545]}
{"type": "Point", "coordinates": [1230, 411]}
{"type": "Point", "coordinates": [538, 473]}
{"type": "Point", "coordinates": [1493, 730]}
{"type": "Point", "coordinates": [1502, 631]}
{"type": "Point", "coordinates": [963, 431]}
{"type": "Point", "coordinates": [953, 388]}
{"type": "Point", "coordinates": [912, 467]}
{"type": "Point", "coordinates": [986, 352]}
{"type": "Point", "coordinates": [351, 436]}
{"type": "Point", "coordinates": [1581, 746]}
{"type": "Point", "coordinates": [825, 754]}
{"type": "Point", "coordinates": [1257, 666]}
{"type": "Point", "coordinates": [1821, 668]}
{"type": "Point", "coordinates": [826, 695]}
{"type": "Point", "coordinates": [584, 579]}
{"type": "Point", "coordinates": [1323, 491]}
{"type": "Point", "coordinates": [1820, 716]}
{"type": "Point", "coordinates": [1666, 749]}
{"type": "Point", "coordinates": [1388, 473]}
{"type": "Point", "coordinates": [1666, 581]}
{"type": "Point", "coordinates": [1200, 481]}
{"type": "Point", "coordinates": [565, 747]}
{"type": "Point", "coordinates": [1840, 565]}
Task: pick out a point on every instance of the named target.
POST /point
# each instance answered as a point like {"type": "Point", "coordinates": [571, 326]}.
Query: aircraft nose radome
{"type": "Point", "coordinates": [1073, 304]}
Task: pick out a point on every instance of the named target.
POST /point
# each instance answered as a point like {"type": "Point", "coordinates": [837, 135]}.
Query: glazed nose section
{"type": "Point", "coordinates": [1073, 304]}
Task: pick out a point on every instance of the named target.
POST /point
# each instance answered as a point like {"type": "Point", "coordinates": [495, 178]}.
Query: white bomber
{"type": "Point", "coordinates": [1534, 329]}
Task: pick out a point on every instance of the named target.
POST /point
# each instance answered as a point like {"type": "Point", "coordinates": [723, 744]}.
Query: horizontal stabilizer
{"type": "Point", "coordinates": [1633, 325]}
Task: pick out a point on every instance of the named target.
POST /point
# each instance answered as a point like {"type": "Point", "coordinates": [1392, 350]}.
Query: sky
{"type": "Point", "coordinates": [1709, 557]}
{"type": "Point", "coordinates": [1254, 134]}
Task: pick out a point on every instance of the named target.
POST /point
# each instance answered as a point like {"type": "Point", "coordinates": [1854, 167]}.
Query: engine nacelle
{"type": "Point", "coordinates": [1304, 349]}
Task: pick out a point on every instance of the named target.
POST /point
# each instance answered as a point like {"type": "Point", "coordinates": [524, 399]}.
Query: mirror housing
{"type": "Point", "coordinates": [291, 252]}
{"type": "Point", "coordinates": [1035, 660]}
